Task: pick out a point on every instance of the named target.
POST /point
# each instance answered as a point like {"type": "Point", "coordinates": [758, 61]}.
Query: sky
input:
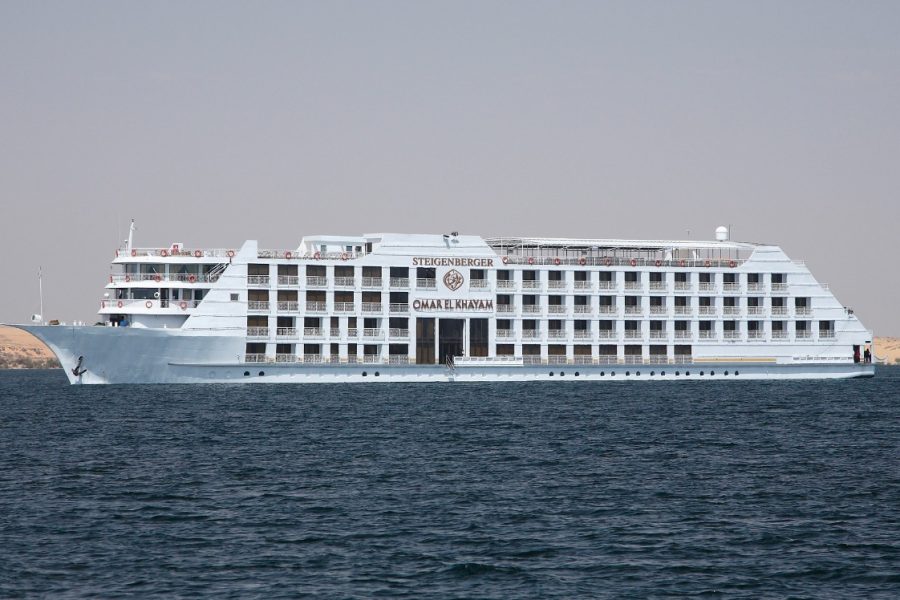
{"type": "Point", "coordinates": [214, 122]}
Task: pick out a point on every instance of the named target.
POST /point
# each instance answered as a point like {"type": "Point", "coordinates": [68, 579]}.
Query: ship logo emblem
{"type": "Point", "coordinates": [453, 280]}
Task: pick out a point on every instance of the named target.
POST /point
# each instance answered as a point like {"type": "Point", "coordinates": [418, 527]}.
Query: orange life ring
{"type": "Point", "coordinates": [607, 262]}
{"type": "Point", "coordinates": [183, 305]}
{"type": "Point", "coordinates": [148, 304]}
{"type": "Point", "coordinates": [230, 254]}
{"type": "Point", "coordinates": [164, 253]}
{"type": "Point", "coordinates": [134, 252]}
{"type": "Point", "coordinates": [288, 254]}
{"type": "Point", "coordinates": [157, 278]}
{"type": "Point", "coordinates": [192, 278]}
{"type": "Point", "coordinates": [317, 256]}
{"type": "Point", "coordinates": [732, 264]}
{"type": "Point", "coordinates": [556, 261]}
{"type": "Point", "coordinates": [344, 256]}
{"type": "Point", "coordinates": [633, 262]}
{"type": "Point", "coordinates": [505, 260]}
{"type": "Point", "coordinates": [682, 263]}
{"type": "Point", "coordinates": [707, 263]}
{"type": "Point", "coordinates": [658, 263]}
{"type": "Point", "coordinates": [530, 260]}
{"type": "Point", "coordinates": [582, 261]}
{"type": "Point", "coordinates": [119, 304]}
{"type": "Point", "coordinates": [198, 253]}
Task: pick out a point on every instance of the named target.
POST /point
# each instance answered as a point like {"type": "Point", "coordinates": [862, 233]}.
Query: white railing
{"type": "Point", "coordinates": [803, 334]}
{"type": "Point", "coordinates": [779, 311]}
{"type": "Point", "coordinates": [731, 288]}
{"type": "Point", "coordinates": [478, 284]}
{"type": "Point", "coordinates": [531, 308]}
{"type": "Point", "coordinates": [708, 310]}
{"type": "Point", "coordinates": [335, 332]}
{"type": "Point", "coordinates": [681, 334]}
{"type": "Point", "coordinates": [684, 310]}
{"type": "Point", "coordinates": [658, 334]}
{"type": "Point", "coordinates": [312, 332]}
{"type": "Point", "coordinates": [557, 359]}
{"type": "Point", "coordinates": [352, 332]}
{"type": "Point", "coordinates": [372, 307]}
{"type": "Point", "coordinates": [582, 359]}
{"type": "Point", "coordinates": [633, 359]}
{"type": "Point", "coordinates": [285, 358]}
{"type": "Point", "coordinates": [657, 359]}
{"type": "Point", "coordinates": [506, 308]}
{"type": "Point", "coordinates": [289, 306]}
{"type": "Point", "coordinates": [557, 284]}
{"type": "Point", "coordinates": [608, 309]}
{"type": "Point", "coordinates": [397, 333]}
{"type": "Point", "coordinates": [531, 334]}
{"type": "Point", "coordinates": [258, 280]}
{"type": "Point", "coordinates": [606, 334]}
{"type": "Point", "coordinates": [255, 358]}
{"type": "Point", "coordinates": [556, 334]}
{"type": "Point", "coordinates": [756, 287]}
{"type": "Point", "coordinates": [755, 334]}
{"type": "Point", "coordinates": [583, 309]}
{"type": "Point", "coordinates": [344, 307]}
{"type": "Point", "coordinates": [313, 359]}
{"type": "Point", "coordinates": [633, 285]}
{"type": "Point", "coordinates": [658, 310]}
{"type": "Point", "coordinates": [372, 282]}
{"type": "Point", "coordinates": [314, 281]}
{"type": "Point", "coordinates": [582, 284]}
{"type": "Point", "coordinates": [731, 310]}
{"type": "Point", "coordinates": [370, 333]}
{"type": "Point", "coordinates": [755, 310]}
{"type": "Point", "coordinates": [531, 359]}
{"type": "Point", "coordinates": [158, 277]}
{"type": "Point", "coordinates": [826, 334]}
{"type": "Point", "coordinates": [606, 285]}
{"type": "Point", "coordinates": [582, 334]}
{"type": "Point", "coordinates": [398, 359]}
{"type": "Point", "coordinates": [344, 282]}
{"type": "Point", "coordinates": [802, 311]}
{"type": "Point", "coordinates": [707, 287]}
{"type": "Point", "coordinates": [683, 286]}
{"type": "Point", "coordinates": [556, 309]}
{"type": "Point", "coordinates": [426, 284]}
{"type": "Point", "coordinates": [707, 334]}
{"type": "Point", "coordinates": [286, 332]}
{"type": "Point", "coordinates": [779, 288]}
{"type": "Point", "coordinates": [632, 334]}
{"type": "Point", "coordinates": [779, 335]}
{"type": "Point", "coordinates": [633, 310]}
{"type": "Point", "coordinates": [399, 307]}
{"type": "Point", "coordinates": [506, 284]}
{"type": "Point", "coordinates": [531, 284]}
{"type": "Point", "coordinates": [314, 306]}
{"type": "Point", "coordinates": [658, 286]}
{"type": "Point", "coordinates": [731, 334]}
{"type": "Point", "coordinates": [257, 332]}
{"type": "Point", "coordinates": [506, 334]}
{"type": "Point", "coordinates": [399, 282]}
{"type": "Point", "coordinates": [288, 280]}
{"type": "Point", "coordinates": [258, 305]}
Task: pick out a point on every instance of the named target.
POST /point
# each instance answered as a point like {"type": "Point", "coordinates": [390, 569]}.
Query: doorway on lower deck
{"type": "Point", "coordinates": [450, 338]}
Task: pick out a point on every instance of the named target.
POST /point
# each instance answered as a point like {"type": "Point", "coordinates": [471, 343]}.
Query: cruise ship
{"type": "Point", "coordinates": [450, 307]}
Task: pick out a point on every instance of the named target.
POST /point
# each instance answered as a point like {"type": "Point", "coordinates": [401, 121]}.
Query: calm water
{"type": "Point", "coordinates": [735, 489]}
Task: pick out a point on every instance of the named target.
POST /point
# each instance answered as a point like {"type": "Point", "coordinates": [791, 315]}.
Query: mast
{"type": "Point", "coordinates": [130, 236]}
{"type": "Point", "coordinates": [41, 291]}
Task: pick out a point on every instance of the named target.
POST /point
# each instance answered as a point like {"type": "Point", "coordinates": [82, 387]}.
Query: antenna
{"type": "Point", "coordinates": [130, 235]}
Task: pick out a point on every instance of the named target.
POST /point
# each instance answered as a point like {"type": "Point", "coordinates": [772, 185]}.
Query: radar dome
{"type": "Point", "coordinates": [721, 233]}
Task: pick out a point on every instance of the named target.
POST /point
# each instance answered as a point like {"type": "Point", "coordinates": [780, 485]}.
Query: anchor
{"type": "Point", "coordinates": [78, 371]}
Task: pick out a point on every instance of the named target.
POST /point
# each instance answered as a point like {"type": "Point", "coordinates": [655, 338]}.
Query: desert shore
{"type": "Point", "coordinates": [21, 350]}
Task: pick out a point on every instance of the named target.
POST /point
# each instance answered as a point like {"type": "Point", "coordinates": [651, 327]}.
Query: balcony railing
{"type": "Point", "coordinates": [312, 332]}
{"type": "Point", "coordinates": [399, 307]}
{"type": "Point", "coordinates": [258, 280]}
{"type": "Point", "coordinates": [582, 284]}
{"type": "Point", "coordinates": [531, 334]}
{"type": "Point", "coordinates": [372, 307]}
{"type": "Point", "coordinates": [556, 309]}
{"type": "Point", "coordinates": [426, 284]}
{"type": "Point", "coordinates": [285, 358]}
{"type": "Point", "coordinates": [257, 332]}
{"type": "Point", "coordinates": [531, 284]}
{"type": "Point", "coordinates": [255, 358]}
{"type": "Point", "coordinates": [286, 332]}
{"type": "Point", "coordinates": [506, 334]}
{"type": "Point", "coordinates": [316, 282]}
{"type": "Point", "coordinates": [608, 309]}
{"type": "Point", "coordinates": [707, 334]}
{"type": "Point", "coordinates": [582, 309]}
{"type": "Point", "coordinates": [506, 284]}
{"type": "Point", "coordinates": [731, 288]}
{"type": "Point", "coordinates": [803, 334]}
{"type": "Point", "coordinates": [157, 277]}
{"type": "Point", "coordinates": [731, 310]}
{"type": "Point", "coordinates": [731, 334]}
{"type": "Point", "coordinates": [755, 334]}
{"type": "Point", "coordinates": [397, 333]}
{"type": "Point", "coordinates": [288, 305]}
{"type": "Point", "coordinates": [344, 282]}
{"type": "Point", "coordinates": [634, 310]}
{"type": "Point", "coordinates": [335, 332]}
{"type": "Point", "coordinates": [658, 310]}
{"type": "Point", "coordinates": [779, 334]}
{"type": "Point", "coordinates": [606, 334]}
{"type": "Point", "coordinates": [802, 311]}
{"type": "Point", "coordinates": [779, 288]}
{"type": "Point", "coordinates": [658, 334]}
{"type": "Point", "coordinates": [708, 310]}
{"type": "Point", "coordinates": [683, 286]}
{"type": "Point", "coordinates": [557, 284]}
{"type": "Point", "coordinates": [258, 305]}
{"type": "Point", "coordinates": [344, 307]}
{"type": "Point", "coordinates": [632, 334]}
{"type": "Point", "coordinates": [557, 359]}
{"type": "Point", "coordinates": [682, 334]}
{"type": "Point", "coordinates": [399, 283]}
{"type": "Point", "coordinates": [658, 286]}
{"type": "Point", "coordinates": [506, 308]}
{"type": "Point", "coordinates": [315, 307]}
{"type": "Point", "coordinates": [606, 285]}
{"type": "Point", "coordinates": [352, 332]}
{"type": "Point", "coordinates": [372, 282]}
{"type": "Point", "coordinates": [531, 308]}
{"type": "Point", "coordinates": [756, 287]}
{"type": "Point", "coordinates": [779, 311]}
{"type": "Point", "coordinates": [478, 284]}
{"type": "Point", "coordinates": [373, 334]}
{"type": "Point", "coordinates": [583, 334]}
{"type": "Point", "coordinates": [707, 287]}
{"type": "Point", "coordinates": [556, 334]}
{"type": "Point", "coordinates": [288, 280]}
{"type": "Point", "coordinates": [633, 285]}
{"type": "Point", "coordinates": [398, 359]}
{"type": "Point", "coordinates": [684, 310]}
{"type": "Point", "coordinates": [755, 310]}
{"type": "Point", "coordinates": [826, 334]}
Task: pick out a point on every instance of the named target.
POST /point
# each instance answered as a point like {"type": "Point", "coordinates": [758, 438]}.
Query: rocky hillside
{"type": "Point", "coordinates": [21, 350]}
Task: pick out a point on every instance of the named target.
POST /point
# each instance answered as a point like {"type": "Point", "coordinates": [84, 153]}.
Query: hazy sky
{"type": "Point", "coordinates": [215, 122]}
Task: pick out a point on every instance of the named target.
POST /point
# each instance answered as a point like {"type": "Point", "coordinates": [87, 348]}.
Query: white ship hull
{"type": "Point", "coordinates": [145, 356]}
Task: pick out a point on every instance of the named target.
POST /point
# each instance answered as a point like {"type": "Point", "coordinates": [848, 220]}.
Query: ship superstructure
{"type": "Point", "coordinates": [400, 307]}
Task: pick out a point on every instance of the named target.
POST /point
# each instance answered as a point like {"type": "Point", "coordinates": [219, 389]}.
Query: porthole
{"type": "Point", "coordinates": [576, 373]}
{"type": "Point", "coordinates": [663, 373]}
{"type": "Point", "coordinates": [562, 373]}
{"type": "Point", "coordinates": [365, 374]}
{"type": "Point", "coordinates": [711, 373]}
{"type": "Point", "coordinates": [551, 373]}
{"type": "Point", "coordinates": [627, 373]}
{"type": "Point", "coordinates": [612, 374]}
{"type": "Point", "coordinates": [687, 373]}
{"type": "Point", "coordinates": [246, 373]}
{"type": "Point", "coordinates": [735, 373]}
{"type": "Point", "coordinates": [637, 373]}
{"type": "Point", "coordinates": [726, 373]}
{"type": "Point", "coordinates": [701, 373]}
{"type": "Point", "coordinates": [261, 373]}
{"type": "Point", "coordinates": [652, 373]}
{"type": "Point", "coordinates": [677, 373]}
{"type": "Point", "coordinates": [377, 373]}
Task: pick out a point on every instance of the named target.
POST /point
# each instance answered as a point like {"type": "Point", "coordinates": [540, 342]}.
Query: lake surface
{"type": "Point", "coordinates": [557, 490]}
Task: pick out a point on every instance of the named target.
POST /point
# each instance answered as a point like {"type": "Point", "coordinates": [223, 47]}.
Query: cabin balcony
{"type": "Point", "coordinates": [288, 281]}
{"type": "Point", "coordinates": [258, 306]}
{"type": "Point", "coordinates": [311, 359]}
{"type": "Point", "coordinates": [557, 284]}
{"type": "Point", "coordinates": [756, 287]}
{"type": "Point", "coordinates": [731, 334]}
{"type": "Point", "coordinates": [608, 309]}
{"type": "Point", "coordinates": [556, 334]}
{"type": "Point", "coordinates": [779, 311]}
{"type": "Point", "coordinates": [352, 332]}
{"type": "Point", "coordinates": [779, 335]}
{"type": "Point", "coordinates": [532, 360]}
{"type": "Point", "coordinates": [583, 309]}
{"type": "Point", "coordinates": [531, 308]}
{"type": "Point", "coordinates": [316, 307]}
{"type": "Point", "coordinates": [556, 309]}
{"type": "Point", "coordinates": [683, 286]}
{"type": "Point", "coordinates": [708, 311]}
{"type": "Point", "coordinates": [658, 334]}
{"type": "Point", "coordinates": [583, 285]}
{"type": "Point", "coordinates": [255, 358]}
{"type": "Point", "coordinates": [285, 358]}
{"type": "Point", "coordinates": [756, 334]}
{"type": "Point", "coordinates": [506, 284]}
{"type": "Point", "coordinates": [372, 283]}
{"type": "Point", "coordinates": [731, 288]}
{"type": "Point", "coordinates": [557, 359]}
{"type": "Point", "coordinates": [681, 334]}
{"type": "Point", "coordinates": [755, 310]}
{"type": "Point", "coordinates": [633, 334]}
{"type": "Point", "coordinates": [398, 334]}
{"type": "Point", "coordinates": [506, 334]}
{"type": "Point", "coordinates": [606, 285]}
{"type": "Point", "coordinates": [399, 283]}
{"type": "Point", "coordinates": [803, 335]}
{"type": "Point", "coordinates": [632, 286]}
{"type": "Point", "coordinates": [802, 311]}
{"type": "Point", "coordinates": [779, 288]}
{"type": "Point", "coordinates": [345, 282]}
{"type": "Point", "coordinates": [583, 334]}
{"type": "Point", "coordinates": [344, 307]}
{"type": "Point", "coordinates": [257, 332]}
{"type": "Point", "coordinates": [606, 334]}
{"type": "Point", "coordinates": [657, 359]}
{"type": "Point", "coordinates": [335, 332]}
{"type": "Point", "coordinates": [257, 280]}
{"type": "Point", "coordinates": [531, 284]}
{"type": "Point", "coordinates": [684, 311]}
{"type": "Point", "coordinates": [423, 283]}
{"type": "Point", "coordinates": [658, 286]}
{"type": "Point", "coordinates": [288, 306]}
{"type": "Point", "coordinates": [399, 307]}
{"type": "Point", "coordinates": [707, 334]}
{"type": "Point", "coordinates": [506, 308]}
{"type": "Point", "coordinates": [478, 284]}
{"type": "Point", "coordinates": [634, 310]}
{"type": "Point", "coordinates": [311, 333]}
{"type": "Point", "coordinates": [371, 333]}
{"type": "Point", "coordinates": [633, 359]}
{"type": "Point", "coordinates": [372, 307]}
{"type": "Point", "coordinates": [398, 359]}
{"type": "Point", "coordinates": [731, 311]}
{"type": "Point", "coordinates": [531, 334]}
{"type": "Point", "coordinates": [826, 334]}
{"type": "Point", "coordinates": [707, 287]}
{"type": "Point", "coordinates": [286, 333]}
{"type": "Point", "coordinates": [314, 281]}
{"type": "Point", "coordinates": [659, 310]}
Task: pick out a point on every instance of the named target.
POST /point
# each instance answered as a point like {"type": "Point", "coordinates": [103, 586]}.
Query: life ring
{"type": "Point", "coordinates": [288, 254]}
{"type": "Point", "coordinates": [127, 278]}
{"type": "Point", "coordinates": [157, 278]}
{"type": "Point", "coordinates": [505, 260]}
{"type": "Point", "coordinates": [582, 261]}
{"type": "Point", "coordinates": [164, 253]}
{"type": "Point", "coordinates": [192, 278]}
{"type": "Point", "coordinates": [556, 261]}
{"type": "Point", "coordinates": [230, 254]}
{"type": "Point", "coordinates": [682, 263]}
{"type": "Point", "coordinates": [344, 256]}
{"type": "Point", "coordinates": [317, 256]}
{"type": "Point", "coordinates": [707, 263]}
{"type": "Point", "coordinates": [732, 264]}
{"type": "Point", "coordinates": [530, 260]}
{"type": "Point", "coordinates": [148, 304]}
{"type": "Point", "coordinates": [607, 262]}
{"type": "Point", "coordinates": [633, 262]}
{"type": "Point", "coordinates": [183, 305]}
{"type": "Point", "coordinates": [119, 304]}
{"type": "Point", "coordinates": [198, 253]}
{"type": "Point", "coordinates": [134, 252]}
{"type": "Point", "coordinates": [658, 263]}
